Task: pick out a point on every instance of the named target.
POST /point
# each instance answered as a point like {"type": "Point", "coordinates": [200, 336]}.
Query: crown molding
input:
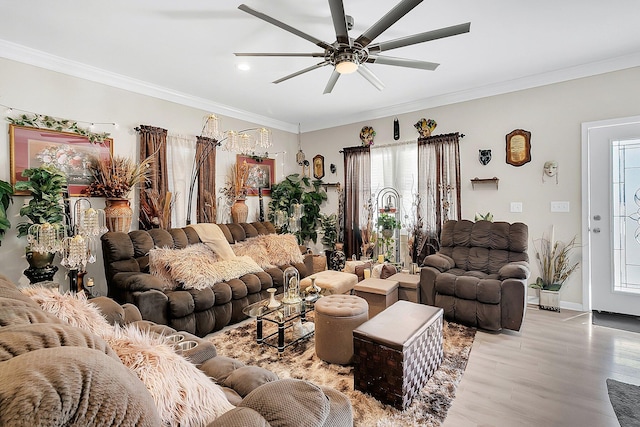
{"type": "Point", "coordinates": [528, 82]}
{"type": "Point", "coordinates": [47, 61]}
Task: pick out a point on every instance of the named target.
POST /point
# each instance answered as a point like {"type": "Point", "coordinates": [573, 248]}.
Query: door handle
{"type": "Point", "coordinates": [596, 230]}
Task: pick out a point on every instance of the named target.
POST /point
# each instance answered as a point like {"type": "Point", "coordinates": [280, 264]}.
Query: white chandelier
{"type": "Point", "coordinates": [246, 141]}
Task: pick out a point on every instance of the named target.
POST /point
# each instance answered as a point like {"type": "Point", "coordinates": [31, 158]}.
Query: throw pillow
{"type": "Point", "coordinates": [388, 270]}
{"type": "Point", "coordinates": [271, 250]}
{"type": "Point", "coordinates": [359, 270]}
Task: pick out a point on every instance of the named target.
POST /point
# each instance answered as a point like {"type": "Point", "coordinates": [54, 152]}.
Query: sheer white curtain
{"type": "Point", "coordinates": [181, 150]}
{"type": "Point", "coordinates": [396, 165]}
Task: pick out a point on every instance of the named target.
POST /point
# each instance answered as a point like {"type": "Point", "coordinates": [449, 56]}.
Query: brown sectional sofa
{"type": "Point", "coordinates": [479, 275]}
{"type": "Point", "coordinates": [199, 312]}
{"type": "Point", "coordinates": [55, 374]}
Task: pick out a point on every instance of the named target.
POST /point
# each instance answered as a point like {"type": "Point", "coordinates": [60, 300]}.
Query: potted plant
{"type": "Point", "coordinates": [556, 266]}
{"type": "Point", "coordinates": [387, 223]}
{"type": "Point", "coordinates": [301, 189]}
{"type": "Point", "coordinates": [239, 209]}
{"type": "Point", "coordinates": [6, 198]}
{"type": "Point", "coordinates": [114, 178]}
{"type": "Point", "coordinates": [329, 228]}
{"type": "Point", "coordinates": [46, 208]}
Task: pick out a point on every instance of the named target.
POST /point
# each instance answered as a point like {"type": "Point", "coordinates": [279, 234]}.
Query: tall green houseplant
{"type": "Point", "coordinates": [46, 185]}
{"type": "Point", "coordinates": [6, 198]}
{"type": "Point", "coordinates": [307, 192]}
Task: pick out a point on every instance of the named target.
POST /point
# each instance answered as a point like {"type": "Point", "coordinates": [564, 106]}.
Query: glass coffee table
{"type": "Point", "coordinates": [284, 317]}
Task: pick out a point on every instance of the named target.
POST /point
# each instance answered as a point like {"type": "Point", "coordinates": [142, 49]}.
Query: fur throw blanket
{"type": "Point", "coordinates": [196, 267]}
{"type": "Point", "coordinates": [183, 394]}
{"type": "Point", "coordinates": [270, 250]}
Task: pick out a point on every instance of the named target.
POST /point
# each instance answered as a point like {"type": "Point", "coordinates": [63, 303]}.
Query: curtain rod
{"type": "Point", "coordinates": [396, 144]}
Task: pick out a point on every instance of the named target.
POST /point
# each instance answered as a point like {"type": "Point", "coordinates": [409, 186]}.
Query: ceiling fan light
{"type": "Point", "coordinates": [346, 67]}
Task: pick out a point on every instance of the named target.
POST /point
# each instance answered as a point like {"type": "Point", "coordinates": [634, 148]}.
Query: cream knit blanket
{"type": "Point", "coordinates": [212, 236]}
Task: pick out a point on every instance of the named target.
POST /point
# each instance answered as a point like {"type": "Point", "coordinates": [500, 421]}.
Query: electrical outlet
{"type": "Point", "coordinates": [560, 206]}
{"type": "Point", "coordinates": [516, 206]}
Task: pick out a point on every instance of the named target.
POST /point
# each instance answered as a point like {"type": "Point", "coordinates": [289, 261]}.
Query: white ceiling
{"type": "Point", "coordinates": [183, 51]}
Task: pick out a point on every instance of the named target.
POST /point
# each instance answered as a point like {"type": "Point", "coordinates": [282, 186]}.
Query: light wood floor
{"type": "Point", "coordinates": [551, 373]}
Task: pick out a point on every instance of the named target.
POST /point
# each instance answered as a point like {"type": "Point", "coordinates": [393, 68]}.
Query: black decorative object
{"type": "Point", "coordinates": [338, 260]}
{"type": "Point", "coordinates": [332, 168]}
{"type": "Point", "coordinates": [261, 217]}
{"type": "Point", "coordinates": [396, 129]}
{"type": "Point", "coordinates": [484, 156]}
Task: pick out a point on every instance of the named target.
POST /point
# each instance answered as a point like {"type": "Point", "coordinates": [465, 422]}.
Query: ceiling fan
{"type": "Point", "coordinates": [347, 54]}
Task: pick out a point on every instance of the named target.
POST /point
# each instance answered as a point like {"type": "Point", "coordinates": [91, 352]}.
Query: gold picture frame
{"type": "Point", "coordinates": [318, 166]}
{"type": "Point", "coordinates": [31, 147]}
{"type": "Point", "coordinates": [518, 147]}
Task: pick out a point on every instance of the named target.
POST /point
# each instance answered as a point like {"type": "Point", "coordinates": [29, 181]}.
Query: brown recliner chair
{"type": "Point", "coordinates": [479, 275]}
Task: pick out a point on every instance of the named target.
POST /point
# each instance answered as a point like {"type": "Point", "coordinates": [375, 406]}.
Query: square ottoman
{"type": "Point", "coordinates": [332, 282]}
{"type": "Point", "coordinates": [396, 352]}
{"type": "Point", "coordinates": [408, 286]}
{"type": "Point", "coordinates": [379, 293]}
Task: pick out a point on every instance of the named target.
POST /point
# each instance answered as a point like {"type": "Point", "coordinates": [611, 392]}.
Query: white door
{"type": "Point", "coordinates": [611, 203]}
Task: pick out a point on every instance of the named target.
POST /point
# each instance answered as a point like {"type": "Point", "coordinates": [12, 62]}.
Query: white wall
{"type": "Point", "coordinates": [37, 90]}
{"type": "Point", "coordinates": [553, 114]}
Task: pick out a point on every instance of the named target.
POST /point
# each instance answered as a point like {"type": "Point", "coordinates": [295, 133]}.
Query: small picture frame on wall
{"type": "Point", "coordinates": [518, 147]}
{"type": "Point", "coordinates": [262, 173]}
{"type": "Point", "coordinates": [318, 166]}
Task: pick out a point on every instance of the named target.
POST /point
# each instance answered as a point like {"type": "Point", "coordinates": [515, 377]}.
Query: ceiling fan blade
{"type": "Point", "coordinates": [297, 73]}
{"type": "Point", "coordinates": [339, 21]}
{"type": "Point", "coordinates": [368, 74]}
{"type": "Point", "coordinates": [332, 82]}
{"type": "Point", "coordinates": [386, 21]}
{"type": "Point", "coordinates": [421, 38]}
{"type": "Point", "coordinates": [286, 27]}
{"type": "Point", "coordinates": [402, 62]}
{"type": "Point", "coordinates": [312, 55]}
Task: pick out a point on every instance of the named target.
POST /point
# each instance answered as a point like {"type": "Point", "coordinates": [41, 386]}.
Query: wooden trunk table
{"type": "Point", "coordinates": [397, 351]}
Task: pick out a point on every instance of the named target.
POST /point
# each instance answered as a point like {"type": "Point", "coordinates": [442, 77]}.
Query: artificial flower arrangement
{"type": "Point", "coordinates": [366, 135]}
{"type": "Point", "coordinates": [115, 177]}
{"type": "Point", "coordinates": [425, 127]}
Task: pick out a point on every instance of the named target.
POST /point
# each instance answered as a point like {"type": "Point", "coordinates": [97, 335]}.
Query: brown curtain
{"type": "Point", "coordinates": [206, 159]}
{"type": "Point", "coordinates": [438, 187]}
{"type": "Point", "coordinates": [357, 193]}
{"type": "Point", "coordinates": [153, 143]}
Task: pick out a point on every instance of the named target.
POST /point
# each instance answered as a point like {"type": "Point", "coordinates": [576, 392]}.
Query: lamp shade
{"type": "Point", "coordinates": [346, 67]}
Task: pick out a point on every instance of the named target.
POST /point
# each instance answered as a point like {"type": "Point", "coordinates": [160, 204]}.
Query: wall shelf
{"type": "Point", "coordinates": [477, 180]}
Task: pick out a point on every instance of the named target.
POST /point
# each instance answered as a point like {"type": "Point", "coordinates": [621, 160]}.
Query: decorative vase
{"type": "Point", "coordinates": [273, 302]}
{"type": "Point", "coordinates": [239, 211]}
{"type": "Point", "coordinates": [338, 259]}
{"type": "Point", "coordinates": [550, 300]}
{"type": "Point", "coordinates": [387, 233]}
{"type": "Point", "coordinates": [41, 266]}
{"type": "Point", "coordinates": [118, 214]}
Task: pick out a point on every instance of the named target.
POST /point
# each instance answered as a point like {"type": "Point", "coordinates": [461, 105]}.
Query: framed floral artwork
{"type": "Point", "coordinates": [71, 153]}
{"type": "Point", "coordinates": [262, 174]}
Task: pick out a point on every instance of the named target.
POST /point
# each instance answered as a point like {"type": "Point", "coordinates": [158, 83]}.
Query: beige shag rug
{"type": "Point", "coordinates": [429, 408]}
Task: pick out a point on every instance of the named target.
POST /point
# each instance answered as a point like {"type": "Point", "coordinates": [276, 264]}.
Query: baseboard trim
{"type": "Point", "coordinates": [563, 304]}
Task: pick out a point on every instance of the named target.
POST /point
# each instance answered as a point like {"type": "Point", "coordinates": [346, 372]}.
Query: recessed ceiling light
{"type": "Point", "coordinates": [243, 66]}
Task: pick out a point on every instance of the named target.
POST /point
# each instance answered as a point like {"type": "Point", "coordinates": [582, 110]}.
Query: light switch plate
{"type": "Point", "coordinates": [560, 206]}
{"type": "Point", "coordinates": [516, 206]}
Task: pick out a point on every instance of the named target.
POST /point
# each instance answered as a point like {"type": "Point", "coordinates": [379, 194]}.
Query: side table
{"type": "Point", "coordinates": [284, 317]}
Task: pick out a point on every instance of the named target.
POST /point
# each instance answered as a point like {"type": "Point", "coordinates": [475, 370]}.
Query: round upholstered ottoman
{"type": "Point", "coordinates": [336, 317]}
